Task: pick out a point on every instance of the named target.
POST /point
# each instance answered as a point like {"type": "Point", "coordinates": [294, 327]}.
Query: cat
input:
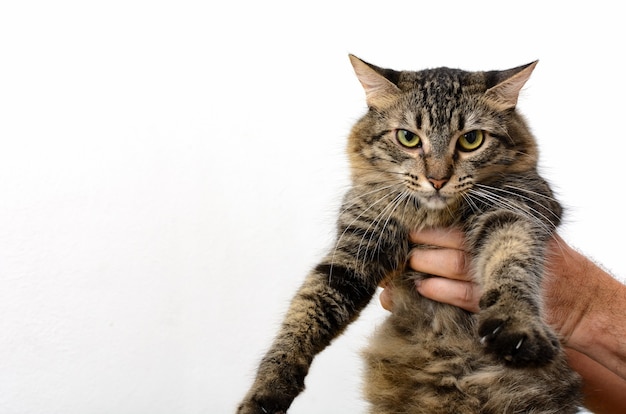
{"type": "Point", "coordinates": [436, 148]}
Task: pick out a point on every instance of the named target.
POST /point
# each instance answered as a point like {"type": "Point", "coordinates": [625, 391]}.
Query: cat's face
{"type": "Point", "coordinates": [436, 135]}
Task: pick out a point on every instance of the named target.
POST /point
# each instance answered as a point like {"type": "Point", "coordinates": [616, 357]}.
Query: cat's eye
{"type": "Point", "coordinates": [471, 141]}
{"type": "Point", "coordinates": [408, 139]}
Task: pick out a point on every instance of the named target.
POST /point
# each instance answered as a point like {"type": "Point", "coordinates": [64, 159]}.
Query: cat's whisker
{"type": "Point", "coordinates": [350, 202]}
{"type": "Point", "coordinates": [531, 192]}
{"type": "Point", "coordinates": [513, 207]}
{"type": "Point", "coordinates": [470, 202]}
{"type": "Point", "coordinates": [354, 200]}
{"type": "Point", "coordinates": [349, 225]}
{"type": "Point", "coordinates": [390, 208]}
{"type": "Point", "coordinates": [518, 189]}
{"type": "Point", "coordinates": [498, 201]}
{"type": "Point", "coordinates": [511, 203]}
{"type": "Point", "coordinates": [396, 203]}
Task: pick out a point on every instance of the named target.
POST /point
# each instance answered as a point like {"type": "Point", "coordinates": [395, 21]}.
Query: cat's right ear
{"type": "Point", "coordinates": [379, 91]}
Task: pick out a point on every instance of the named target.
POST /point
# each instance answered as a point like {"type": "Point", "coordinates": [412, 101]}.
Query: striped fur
{"type": "Point", "coordinates": [429, 357]}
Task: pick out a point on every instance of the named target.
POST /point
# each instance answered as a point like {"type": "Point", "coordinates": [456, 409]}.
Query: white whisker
{"type": "Point", "coordinates": [374, 223]}
{"type": "Point", "coordinates": [361, 214]}
{"type": "Point", "coordinates": [535, 193]}
{"type": "Point", "coordinates": [395, 204]}
{"type": "Point", "coordinates": [507, 204]}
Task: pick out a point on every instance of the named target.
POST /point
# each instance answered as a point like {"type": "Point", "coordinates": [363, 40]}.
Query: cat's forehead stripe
{"type": "Point", "coordinates": [460, 122]}
{"type": "Point", "coordinates": [418, 120]}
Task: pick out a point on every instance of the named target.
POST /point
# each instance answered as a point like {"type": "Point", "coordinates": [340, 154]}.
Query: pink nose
{"type": "Point", "coordinates": [437, 184]}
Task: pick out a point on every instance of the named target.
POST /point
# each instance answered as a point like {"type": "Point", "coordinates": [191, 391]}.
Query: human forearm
{"type": "Point", "coordinates": [601, 335]}
{"type": "Point", "coordinates": [591, 317]}
{"type": "Point", "coordinates": [604, 391]}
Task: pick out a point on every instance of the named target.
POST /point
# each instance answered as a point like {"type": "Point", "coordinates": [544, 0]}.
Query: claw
{"type": "Point", "coordinates": [484, 339]}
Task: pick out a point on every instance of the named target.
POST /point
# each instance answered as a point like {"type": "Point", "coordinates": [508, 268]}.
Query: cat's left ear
{"type": "Point", "coordinates": [379, 91]}
{"type": "Point", "coordinates": [508, 85]}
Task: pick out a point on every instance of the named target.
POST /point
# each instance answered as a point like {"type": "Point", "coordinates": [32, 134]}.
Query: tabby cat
{"type": "Point", "coordinates": [437, 147]}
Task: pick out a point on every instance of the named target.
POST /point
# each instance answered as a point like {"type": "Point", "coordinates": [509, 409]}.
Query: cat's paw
{"type": "Point", "coordinates": [270, 394]}
{"type": "Point", "coordinates": [515, 336]}
{"type": "Point", "coordinates": [277, 384]}
{"type": "Point", "coordinates": [252, 407]}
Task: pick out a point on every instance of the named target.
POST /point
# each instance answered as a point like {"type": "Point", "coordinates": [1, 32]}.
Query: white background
{"type": "Point", "coordinates": [170, 170]}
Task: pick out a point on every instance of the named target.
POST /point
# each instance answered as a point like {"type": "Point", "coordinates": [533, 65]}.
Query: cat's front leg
{"type": "Point", "coordinates": [510, 267]}
{"type": "Point", "coordinates": [330, 298]}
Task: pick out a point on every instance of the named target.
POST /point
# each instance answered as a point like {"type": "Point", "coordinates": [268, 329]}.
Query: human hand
{"type": "Point", "coordinates": [443, 256]}
{"type": "Point", "coordinates": [441, 253]}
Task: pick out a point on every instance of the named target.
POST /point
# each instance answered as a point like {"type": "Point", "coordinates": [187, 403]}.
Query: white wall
{"type": "Point", "coordinates": [170, 170]}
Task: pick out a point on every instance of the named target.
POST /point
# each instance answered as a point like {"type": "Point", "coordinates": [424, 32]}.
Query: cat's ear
{"type": "Point", "coordinates": [508, 84]}
{"type": "Point", "coordinates": [379, 91]}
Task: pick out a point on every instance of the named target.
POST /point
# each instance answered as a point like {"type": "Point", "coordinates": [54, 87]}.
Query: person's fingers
{"type": "Point", "coordinates": [450, 263]}
{"type": "Point", "coordinates": [462, 294]}
{"type": "Point", "coordinates": [386, 299]}
{"type": "Point", "coordinates": [441, 254]}
{"type": "Point", "coordinates": [450, 237]}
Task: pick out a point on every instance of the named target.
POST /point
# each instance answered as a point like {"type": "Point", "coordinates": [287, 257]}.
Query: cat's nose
{"type": "Point", "coordinates": [438, 183]}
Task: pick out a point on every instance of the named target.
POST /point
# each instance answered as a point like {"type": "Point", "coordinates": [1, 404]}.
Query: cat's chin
{"type": "Point", "coordinates": [436, 202]}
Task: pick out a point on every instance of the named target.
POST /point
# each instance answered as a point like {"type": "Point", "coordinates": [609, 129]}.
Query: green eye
{"type": "Point", "coordinates": [408, 139]}
{"type": "Point", "coordinates": [471, 141]}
